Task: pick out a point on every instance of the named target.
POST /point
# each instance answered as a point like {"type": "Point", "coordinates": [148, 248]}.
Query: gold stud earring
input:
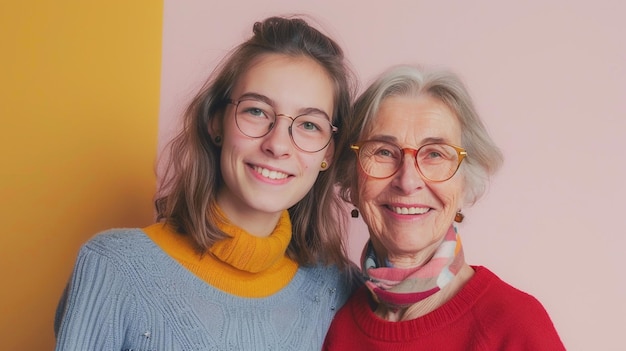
{"type": "Point", "coordinates": [324, 165]}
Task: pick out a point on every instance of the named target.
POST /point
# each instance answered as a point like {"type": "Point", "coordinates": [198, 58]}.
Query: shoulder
{"type": "Point", "coordinates": [118, 242]}
{"type": "Point", "coordinates": [127, 250]}
{"type": "Point", "coordinates": [115, 251]}
{"type": "Point", "coordinates": [502, 295]}
{"type": "Point", "coordinates": [121, 260]}
{"type": "Point", "coordinates": [511, 314]}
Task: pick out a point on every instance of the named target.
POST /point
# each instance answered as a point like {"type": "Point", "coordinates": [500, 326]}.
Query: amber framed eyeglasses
{"type": "Point", "coordinates": [382, 159]}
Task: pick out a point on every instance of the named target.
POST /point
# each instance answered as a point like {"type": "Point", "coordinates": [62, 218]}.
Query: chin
{"type": "Point", "coordinates": [270, 208]}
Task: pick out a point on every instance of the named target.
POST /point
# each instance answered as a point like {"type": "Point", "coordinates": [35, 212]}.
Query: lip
{"type": "Point", "coordinates": [269, 174]}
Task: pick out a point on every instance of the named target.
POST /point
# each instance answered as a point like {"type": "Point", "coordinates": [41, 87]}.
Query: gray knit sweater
{"type": "Point", "coordinates": [127, 294]}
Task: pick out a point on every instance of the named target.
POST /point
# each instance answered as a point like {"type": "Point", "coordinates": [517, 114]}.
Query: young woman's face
{"type": "Point", "coordinates": [409, 215]}
{"type": "Point", "coordinates": [266, 175]}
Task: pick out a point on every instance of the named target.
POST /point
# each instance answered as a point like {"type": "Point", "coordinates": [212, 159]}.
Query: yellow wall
{"type": "Point", "coordinates": [79, 92]}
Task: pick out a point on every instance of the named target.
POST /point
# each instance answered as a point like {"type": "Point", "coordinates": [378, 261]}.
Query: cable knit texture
{"type": "Point", "coordinates": [127, 293]}
{"type": "Point", "coordinates": [486, 314]}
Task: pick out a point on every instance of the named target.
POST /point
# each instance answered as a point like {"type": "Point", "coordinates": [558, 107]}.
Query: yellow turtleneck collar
{"type": "Point", "coordinates": [243, 265]}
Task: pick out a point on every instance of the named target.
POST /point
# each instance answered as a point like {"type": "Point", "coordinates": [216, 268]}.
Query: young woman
{"type": "Point", "coordinates": [247, 253]}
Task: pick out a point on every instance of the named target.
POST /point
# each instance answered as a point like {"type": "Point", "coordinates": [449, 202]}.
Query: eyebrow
{"type": "Point", "coordinates": [393, 139]}
{"type": "Point", "coordinates": [255, 96]}
{"type": "Point", "coordinates": [267, 100]}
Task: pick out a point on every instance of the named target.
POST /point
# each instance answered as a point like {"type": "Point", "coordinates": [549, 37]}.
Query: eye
{"type": "Point", "coordinates": [436, 153]}
{"type": "Point", "coordinates": [384, 152]}
{"type": "Point", "coordinates": [254, 109]}
{"type": "Point", "coordinates": [310, 126]}
{"type": "Point", "coordinates": [255, 112]}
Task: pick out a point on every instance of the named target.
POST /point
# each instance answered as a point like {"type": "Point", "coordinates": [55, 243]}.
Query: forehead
{"type": "Point", "coordinates": [290, 82]}
{"type": "Point", "coordinates": [413, 120]}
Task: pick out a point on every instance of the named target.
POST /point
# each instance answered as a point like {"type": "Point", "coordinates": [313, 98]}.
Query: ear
{"type": "Point", "coordinates": [215, 128]}
{"type": "Point", "coordinates": [354, 196]}
{"type": "Point", "coordinates": [354, 182]}
{"type": "Point", "coordinates": [328, 155]}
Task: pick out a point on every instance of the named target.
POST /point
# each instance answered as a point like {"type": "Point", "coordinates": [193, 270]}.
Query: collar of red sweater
{"type": "Point", "coordinates": [242, 265]}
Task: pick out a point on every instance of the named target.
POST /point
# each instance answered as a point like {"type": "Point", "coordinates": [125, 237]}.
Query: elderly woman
{"type": "Point", "coordinates": [421, 154]}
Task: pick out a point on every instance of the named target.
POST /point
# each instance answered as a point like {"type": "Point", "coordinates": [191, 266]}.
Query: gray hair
{"type": "Point", "coordinates": [484, 157]}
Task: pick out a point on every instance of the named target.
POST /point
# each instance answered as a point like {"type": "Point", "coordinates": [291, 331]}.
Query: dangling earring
{"type": "Point", "coordinates": [355, 213]}
{"type": "Point", "coordinates": [218, 140]}
{"type": "Point", "coordinates": [324, 165]}
{"type": "Point", "coordinates": [459, 217]}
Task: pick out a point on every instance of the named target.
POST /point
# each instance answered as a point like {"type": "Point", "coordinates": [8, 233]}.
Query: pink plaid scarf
{"type": "Point", "coordinates": [403, 287]}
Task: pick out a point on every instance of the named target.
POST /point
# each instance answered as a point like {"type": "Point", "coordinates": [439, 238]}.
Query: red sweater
{"type": "Point", "coordinates": [486, 314]}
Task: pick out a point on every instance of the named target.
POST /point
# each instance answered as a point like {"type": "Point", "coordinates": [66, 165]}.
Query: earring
{"type": "Point", "coordinates": [324, 165]}
{"type": "Point", "coordinates": [459, 217]}
{"type": "Point", "coordinates": [218, 140]}
{"type": "Point", "coordinates": [354, 213]}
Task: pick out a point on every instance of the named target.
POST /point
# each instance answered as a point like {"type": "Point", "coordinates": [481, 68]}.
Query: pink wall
{"type": "Point", "coordinates": [550, 82]}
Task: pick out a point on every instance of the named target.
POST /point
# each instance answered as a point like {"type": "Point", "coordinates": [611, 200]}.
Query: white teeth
{"type": "Point", "coordinates": [410, 210]}
{"type": "Point", "coordinates": [270, 174]}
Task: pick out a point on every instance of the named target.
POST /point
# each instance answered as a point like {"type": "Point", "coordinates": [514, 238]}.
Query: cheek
{"type": "Point", "coordinates": [232, 139]}
{"type": "Point", "coordinates": [310, 164]}
{"type": "Point", "coordinates": [228, 126]}
{"type": "Point", "coordinates": [450, 194]}
{"type": "Point", "coordinates": [368, 190]}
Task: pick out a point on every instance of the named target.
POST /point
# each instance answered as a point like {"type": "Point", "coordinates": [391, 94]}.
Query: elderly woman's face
{"type": "Point", "coordinates": [409, 237]}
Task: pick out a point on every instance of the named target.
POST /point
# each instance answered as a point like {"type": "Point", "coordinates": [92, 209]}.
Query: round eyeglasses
{"type": "Point", "coordinates": [436, 162]}
{"type": "Point", "coordinates": [309, 132]}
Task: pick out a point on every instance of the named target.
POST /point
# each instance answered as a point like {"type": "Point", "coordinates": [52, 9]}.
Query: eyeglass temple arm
{"type": "Point", "coordinates": [462, 153]}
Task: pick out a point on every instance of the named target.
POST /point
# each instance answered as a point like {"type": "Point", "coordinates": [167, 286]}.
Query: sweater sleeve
{"type": "Point", "coordinates": [93, 309]}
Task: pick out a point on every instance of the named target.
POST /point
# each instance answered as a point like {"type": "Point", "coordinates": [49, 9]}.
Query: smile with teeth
{"type": "Point", "coordinates": [270, 174]}
{"type": "Point", "coordinates": [409, 210]}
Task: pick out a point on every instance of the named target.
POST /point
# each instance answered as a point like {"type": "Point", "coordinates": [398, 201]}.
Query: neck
{"type": "Point", "coordinates": [429, 304]}
{"type": "Point", "coordinates": [255, 222]}
{"type": "Point", "coordinates": [410, 260]}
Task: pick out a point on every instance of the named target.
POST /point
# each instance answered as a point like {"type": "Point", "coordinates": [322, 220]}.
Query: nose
{"type": "Point", "coordinates": [408, 179]}
{"type": "Point", "coordinates": [277, 142]}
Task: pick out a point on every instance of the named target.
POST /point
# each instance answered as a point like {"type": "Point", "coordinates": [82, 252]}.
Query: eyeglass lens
{"type": "Point", "coordinates": [309, 132]}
